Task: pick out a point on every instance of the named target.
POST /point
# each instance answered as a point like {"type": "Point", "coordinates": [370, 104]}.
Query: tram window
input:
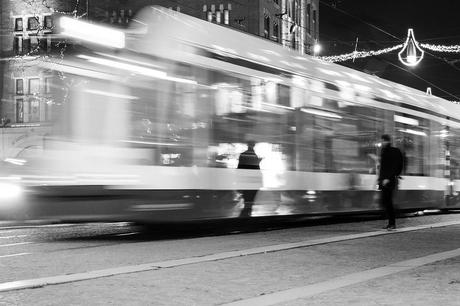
{"type": "Point", "coordinates": [284, 95]}
{"type": "Point", "coordinates": [453, 137]}
{"type": "Point", "coordinates": [435, 160]}
{"type": "Point", "coordinates": [413, 141]}
{"type": "Point", "coordinates": [171, 119]}
{"type": "Point", "coordinates": [251, 109]}
{"type": "Point", "coordinates": [336, 141]}
{"type": "Point", "coordinates": [161, 120]}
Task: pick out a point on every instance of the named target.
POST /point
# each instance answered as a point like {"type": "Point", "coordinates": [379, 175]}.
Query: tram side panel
{"type": "Point", "coordinates": [164, 145]}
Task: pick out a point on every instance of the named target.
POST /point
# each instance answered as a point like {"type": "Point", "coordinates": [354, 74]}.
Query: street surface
{"type": "Point", "coordinates": [338, 262]}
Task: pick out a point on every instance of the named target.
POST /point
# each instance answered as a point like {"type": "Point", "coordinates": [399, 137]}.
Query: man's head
{"type": "Point", "coordinates": [386, 140]}
{"type": "Point", "coordinates": [251, 144]}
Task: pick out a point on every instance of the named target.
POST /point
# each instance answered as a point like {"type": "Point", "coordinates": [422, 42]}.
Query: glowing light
{"type": "Point", "coordinates": [410, 48]}
{"type": "Point", "coordinates": [406, 120]}
{"type": "Point", "coordinates": [111, 94]}
{"type": "Point", "coordinates": [9, 191]}
{"type": "Point", "coordinates": [135, 69]}
{"type": "Point", "coordinates": [414, 132]}
{"type": "Point", "coordinates": [317, 48]}
{"type": "Point", "coordinates": [15, 161]}
{"type": "Point", "coordinates": [444, 134]}
{"type": "Point", "coordinates": [92, 33]}
{"type": "Point", "coordinates": [320, 113]}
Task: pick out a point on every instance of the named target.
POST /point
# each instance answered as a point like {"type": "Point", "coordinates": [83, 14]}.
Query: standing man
{"type": "Point", "coordinates": [390, 169]}
{"type": "Point", "coordinates": [248, 160]}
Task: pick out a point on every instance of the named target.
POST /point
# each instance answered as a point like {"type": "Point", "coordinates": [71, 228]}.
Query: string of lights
{"type": "Point", "coordinates": [363, 54]}
{"type": "Point", "coordinates": [430, 50]}
{"type": "Point", "coordinates": [440, 48]}
{"type": "Point", "coordinates": [358, 54]}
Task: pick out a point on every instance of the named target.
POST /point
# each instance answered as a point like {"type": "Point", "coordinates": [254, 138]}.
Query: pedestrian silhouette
{"type": "Point", "coordinates": [390, 169]}
{"type": "Point", "coordinates": [248, 160]}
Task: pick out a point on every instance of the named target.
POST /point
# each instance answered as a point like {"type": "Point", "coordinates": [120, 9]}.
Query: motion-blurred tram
{"type": "Point", "coordinates": [151, 130]}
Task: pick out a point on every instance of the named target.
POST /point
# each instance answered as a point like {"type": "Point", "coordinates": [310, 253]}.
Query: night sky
{"type": "Point", "coordinates": [380, 24]}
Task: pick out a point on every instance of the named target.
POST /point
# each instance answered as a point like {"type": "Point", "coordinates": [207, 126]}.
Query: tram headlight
{"type": "Point", "coordinates": [9, 191]}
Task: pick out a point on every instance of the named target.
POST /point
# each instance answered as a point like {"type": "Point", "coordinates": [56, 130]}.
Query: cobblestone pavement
{"type": "Point", "coordinates": [239, 278]}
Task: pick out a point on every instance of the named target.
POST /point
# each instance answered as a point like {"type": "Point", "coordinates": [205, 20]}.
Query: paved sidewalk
{"type": "Point", "coordinates": [406, 267]}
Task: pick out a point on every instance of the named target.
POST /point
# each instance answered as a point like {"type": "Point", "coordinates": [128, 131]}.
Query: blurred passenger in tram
{"type": "Point", "coordinates": [391, 164]}
{"type": "Point", "coordinates": [249, 160]}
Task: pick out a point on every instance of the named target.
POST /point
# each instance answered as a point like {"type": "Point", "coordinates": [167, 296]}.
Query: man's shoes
{"type": "Point", "coordinates": [389, 228]}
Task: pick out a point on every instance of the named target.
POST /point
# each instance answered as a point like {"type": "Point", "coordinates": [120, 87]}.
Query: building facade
{"type": "Point", "coordinates": [28, 93]}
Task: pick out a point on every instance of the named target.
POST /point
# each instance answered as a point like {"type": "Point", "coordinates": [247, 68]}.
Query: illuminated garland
{"type": "Point", "coordinates": [409, 49]}
{"type": "Point", "coordinates": [438, 48]}
{"type": "Point", "coordinates": [410, 55]}
{"type": "Point", "coordinates": [363, 54]}
{"type": "Point", "coordinates": [357, 54]}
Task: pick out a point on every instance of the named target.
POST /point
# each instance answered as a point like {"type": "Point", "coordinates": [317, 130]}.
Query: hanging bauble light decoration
{"type": "Point", "coordinates": [412, 52]}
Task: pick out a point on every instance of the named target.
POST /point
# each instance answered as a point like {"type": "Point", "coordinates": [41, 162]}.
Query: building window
{"type": "Point", "coordinates": [267, 26]}
{"type": "Point", "coordinates": [227, 16]}
{"type": "Point", "coordinates": [48, 85]}
{"type": "Point", "coordinates": [209, 13]}
{"type": "Point", "coordinates": [25, 46]}
{"type": "Point", "coordinates": [218, 16]}
{"type": "Point", "coordinates": [48, 22]}
{"type": "Point", "coordinates": [33, 43]}
{"type": "Point", "coordinates": [18, 24]}
{"type": "Point", "coordinates": [17, 45]}
{"type": "Point", "coordinates": [32, 23]}
{"type": "Point", "coordinates": [19, 110]}
{"type": "Point", "coordinates": [48, 110]}
{"type": "Point", "coordinates": [308, 17]}
{"type": "Point", "coordinates": [46, 43]}
{"type": "Point", "coordinates": [34, 110]}
{"type": "Point", "coordinates": [276, 31]}
{"type": "Point", "coordinates": [314, 23]}
{"type": "Point", "coordinates": [19, 86]}
{"type": "Point", "coordinates": [34, 86]}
